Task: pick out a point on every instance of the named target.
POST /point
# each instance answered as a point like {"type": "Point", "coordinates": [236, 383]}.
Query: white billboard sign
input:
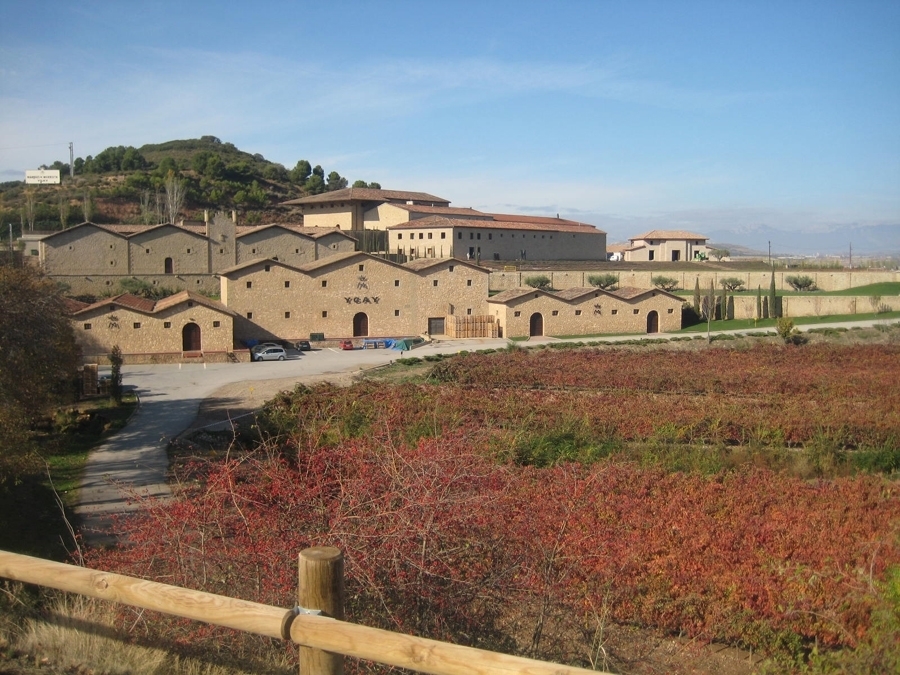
{"type": "Point", "coordinates": [42, 177]}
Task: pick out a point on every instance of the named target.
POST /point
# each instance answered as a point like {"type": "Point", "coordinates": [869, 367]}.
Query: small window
{"type": "Point", "coordinates": [112, 246]}
{"type": "Point", "coordinates": [396, 282]}
{"type": "Point", "coordinates": [287, 315]}
{"type": "Point", "coordinates": [287, 284]}
{"type": "Point", "coordinates": [146, 250]}
{"type": "Point", "coordinates": [34, 251]}
{"type": "Point", "coordinates": [458, 236]}
{"type": "Point", "coordinates": [324, 283]}
{"type": "Point", "coordinates": [267, 268]}
{"type": "Point", "coordinates": [468, 282]}
{"type": "Point", "coordinates": [429, 235]}
{"type": "Point", "coordinates": [615, 311]}
{"type": "Point", "coordinates": [421, 235]}
{"type": "Point", "coordinates": [490, 235]}
{"type": "Point", "coordinates": [479, 235]}
{"type": "Point", "coordinates": [635, 311]}
{"type": "Point", "coordinates": [517, 313]}
{"type": "Point", "coordinates": [361, 268]}
{"type": "Point", "coordinates": [471, 235]}
{"type": "Point", "coordinates": [216, 324]}
{"type": "Point", "coordinates": [137, 324]}
{"type": "Point", "coordinates": [434, 283]}
{"type": "Point", "coordinates": [249, 284]}
{"type": "Point", "coordinates": [296, 250]}
{"type": "Point", "coordinates": [189, 250]}
{"type": "Point", "coordinates": [577, 312]}
{"type": "Point", "coordinates": [87, 326]}
{"type": "Point", "coordinates": [400, 235]}
{"type": "Point", "coordinates": [555, 312]}
{"type": "Point", "coordinates": [249, 315]}
{"type": "Point", "coordinates": [221, 250]}
{"type": "Point", "coordinates": [469, 310]}
{"type": "Point", "coordinates": [450, 268]}
{"type": "Point", "coordinates": [443, 235]}
{"type": "Point", "coordinates": [396, 312]}
{"type": "Point", "coordinates": [670, 310]}
{"type": "Point", "coordinates": [190, 303]}
{"type": "Point", "coordinates": [253, 250]}
{"type": "Point", "coordinates": [324, 313]}
{"type": "Point", "coordinates": [167, 324]}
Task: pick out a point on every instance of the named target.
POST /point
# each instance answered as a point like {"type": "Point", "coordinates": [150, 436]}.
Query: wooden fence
{"type": "Point", "coordinates": [324, 638]}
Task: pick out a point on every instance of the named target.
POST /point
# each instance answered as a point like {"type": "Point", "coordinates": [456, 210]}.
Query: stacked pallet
{"type": "Point", "coordinates": [471, 327]}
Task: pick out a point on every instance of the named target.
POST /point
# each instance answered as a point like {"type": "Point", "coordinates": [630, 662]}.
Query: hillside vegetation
{"type": "Point", "coordinates": [125, 185]}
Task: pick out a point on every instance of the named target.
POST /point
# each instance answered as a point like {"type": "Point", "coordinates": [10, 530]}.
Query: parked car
{"type": "Point", "coordinates": [274, 353]}
{"type": "Point", "coordinates": [347, 344]}
{"type": "Point", "coordinates": [304, 346]}
{"type": "Point", "coordinates": [262, 345]}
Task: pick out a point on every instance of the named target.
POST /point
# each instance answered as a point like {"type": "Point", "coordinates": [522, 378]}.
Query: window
{"type": "Point", "coordinates": [517, 313]}
{"type": "Point", "coordinates": [146, 250]}
{"type": "Point", "coordinates": [396, 312]}
{"type": "Point", "coordinates": [249, 315]}
{"type": "Point", "coordinates": [221, 250]}
{"type": "Point", "coordinates": [650, 255]}
{"type": "Point", "coordinates": [469, 310]}
{"type": "Point", "coordinates": [253, 250]}
{"type": "Point", "coordinates": [190, 303]}
{"type": "Point", "coordinates": [434, 283]}
{"type": "Point", "coordinates": [468, 282]}
{"type": "Point", "coordinates": [458, 236]}
{"type": "Point", "coordinates": [635, 311]}
{"type": "Point", "coordinates": [112, 246]}
{"type": "Point", "coordinates": [167, 324]}
{"type": "Point", "coordinates": [324, 313]}
{"type": "Point", "coordinates": [249, 284]}
{"type": "Point", "coordinates": [479, 235]}
{"type": "Point", "coordinates": [443, 235]}
{"type": "Point", "coordinates": [670, 310]}
{"type": "Point", "coordinates": [137, 324]}
{"type": "Point", "coordinates": [324, 283]}
{"type": "Point", "coordinates": [287, 315]}
{"type": "Point", "coordinates": [471, 235]}
{"type": "Point", "coordinates": [34, 251]}
{"type": "Point", "coordinates": [429, 235]}
{"type": "Point", "coordinates": [490, 235]}
{"type": "Point", "coordinates": [287, 284]}
{"type": "Point", "coordinates": [87, 326]}
{"type": "Point", "coordinates": [267, 268]}
{"type": "Point", "coordinates": [296, 250]}
{"type": "Point", "coordinates": [396, 282]}
{"type": "Point", "coordinates": [615, 311]}
{"type": "Point", "coordinates": [450, 268]}
{"type": "Point", "coordinates": [400, 235]}
{"type": "Point", "coordinates": [421, 235]}
{"type": "Point", "coordinates": [555, 312]}
{"type": "Point", "coordinates": [361, 268]}
{"type": "Point", "coordinates": [577, 312]}
{"type": "Point", "coordinates": [189, 250]}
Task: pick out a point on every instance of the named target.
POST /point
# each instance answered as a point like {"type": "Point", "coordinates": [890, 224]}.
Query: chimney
{"type": "Point", "coordinates": [234, 216]}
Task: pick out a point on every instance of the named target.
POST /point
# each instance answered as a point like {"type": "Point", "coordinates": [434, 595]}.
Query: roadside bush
{"type": "Point", "coordinates": [801, 283]}
{"type": "Point", "coordinates": [540, 281]}
{"type": "Point", "coordinates": [665, 283]}
{"type": "Point", "coordinates": [607, 282]}
{"type": "Point", "coordinates": [787, 332]}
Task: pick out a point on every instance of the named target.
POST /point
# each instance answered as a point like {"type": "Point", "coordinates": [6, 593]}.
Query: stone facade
{"type": "Point", "coordinates": [349, 295]}
{"type": "Point", "coordinates": [525, 312]}
{"type": "Point", "coordinates": [181, 323]}
{"type": "Point", "coordinates": [667, 246]}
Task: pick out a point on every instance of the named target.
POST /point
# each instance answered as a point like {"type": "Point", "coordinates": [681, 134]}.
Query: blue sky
{"type": "Point", "coordinates": [710, 116]}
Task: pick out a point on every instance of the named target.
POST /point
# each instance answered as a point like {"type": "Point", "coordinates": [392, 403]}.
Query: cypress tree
{"type": "Point", "coordinates": [773, 306]}
{"type": "Point", "coordinates": [697, 296]}
{"type": "Point", "coordinates": [759, 303]}
{"type": "Point", "coordinates": [765, 310]}
{"type": "Point", "coordinates": [723, 305]}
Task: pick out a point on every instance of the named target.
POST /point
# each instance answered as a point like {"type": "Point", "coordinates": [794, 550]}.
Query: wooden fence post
{"type": "Point", "coordinates": [321, 586]}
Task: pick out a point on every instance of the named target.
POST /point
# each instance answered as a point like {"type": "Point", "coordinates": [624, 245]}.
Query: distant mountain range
{"type": "Point", "coordinates": [864, 239]}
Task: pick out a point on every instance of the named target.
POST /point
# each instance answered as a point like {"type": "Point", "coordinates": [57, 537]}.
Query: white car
{"type": "Point", "coordinates": [270, 354]}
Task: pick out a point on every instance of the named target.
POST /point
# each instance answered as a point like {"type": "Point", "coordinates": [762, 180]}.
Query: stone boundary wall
{"type": "Point", "coordinates": [241, 355]}
{"type": "Point", "coordinates": [836, 280]}
{"type": "Point", "coordinates": [101, 285]}
{"type": "Point", "coordinates": [811, 305]}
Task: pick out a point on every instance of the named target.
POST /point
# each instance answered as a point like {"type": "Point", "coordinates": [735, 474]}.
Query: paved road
{"type": "Point", "coordinates": [133, 463]}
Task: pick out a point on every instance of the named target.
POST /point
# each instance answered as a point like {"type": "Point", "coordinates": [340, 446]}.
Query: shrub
{"type": "Point", "coordinates": [541, 281]}
{"type": "Point", "coordinates": [801, 282]}
{"type": "Point", "coordinates": [665, 283]}
{"type": "Point", "coordinates": [787, 332]}
{"type": "Point", "coordinates": [732, 284]}
{"type": "Point", "coordinates": [607, 282]}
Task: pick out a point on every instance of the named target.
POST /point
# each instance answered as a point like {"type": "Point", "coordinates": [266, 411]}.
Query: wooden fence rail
{"type": "Point", "coordinates": [316, 632]}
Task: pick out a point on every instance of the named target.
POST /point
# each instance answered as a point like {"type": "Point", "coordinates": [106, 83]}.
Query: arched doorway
{"type": "Point", "coordinates": [361, 325]}
{"type": "Point", "coordinates": [536, 325]}
{"type": "Point", "coordinates": [168, 266]}
{"type": "Point", "coordinates": [653, 322]}
{"type": "Point", "coordinates": [190, 338]}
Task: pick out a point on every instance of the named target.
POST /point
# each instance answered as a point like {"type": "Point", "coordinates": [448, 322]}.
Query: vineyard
{"type": "Point", "coordinates": [525, 501]}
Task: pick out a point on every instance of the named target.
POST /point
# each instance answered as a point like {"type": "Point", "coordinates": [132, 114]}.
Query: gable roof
{"type": "Point", "coordinates": [147, 306]}
{"type": "Point", "coordinates": [424, 263]}
{"type": "Point", "coordinates": [368, 195]}
{"type": "Point", "coordinates": [549, 221]}
{"type": "Point", "coordinates": [576, 293]}
{"type": "Point", "coordinates": [85, 225]}
{"type": "Point", "coordinates": [443, 210]}
{"type": "Point", "coordinates": [669, 234]}
{"type": "Point", "coordinates": [516, 293]}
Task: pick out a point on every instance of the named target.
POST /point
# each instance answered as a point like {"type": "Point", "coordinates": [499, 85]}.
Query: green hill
{"type": "Point", "coordinates": [128, 185]}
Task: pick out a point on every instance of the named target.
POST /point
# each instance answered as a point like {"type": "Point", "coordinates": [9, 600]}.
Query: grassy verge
{"type": "Point", "coordinates": [34, 509]}
{"type": "Point", "coordinates": [761, 324]}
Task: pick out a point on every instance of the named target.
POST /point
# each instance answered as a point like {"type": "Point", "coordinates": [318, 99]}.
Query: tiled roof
{"type": "Point", "coordinates": [577, 292]}
{"type": "Point", "coordinates": [368, 195]}
{"type": "Point", "coordinates": [311, 232]}
{"type": "Point", "coordinates": [71, 305]}
{"type": "Point", "coordinates": [441, 222]}
{"type": "Point", "coordinates": [424, 263]}
{"type": "Point", "coordinates": [330, 260]}
{"type": "Point", "coordinates": [540, 220]}
{"type": "Point", "coordinates": [669, 234]}
{"type": "Point", "coordinates": [514, 294]}
{"type": "Point", "coordinates": [443, 210]}
{"type": "Point", "coordinates": [147, 306]}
